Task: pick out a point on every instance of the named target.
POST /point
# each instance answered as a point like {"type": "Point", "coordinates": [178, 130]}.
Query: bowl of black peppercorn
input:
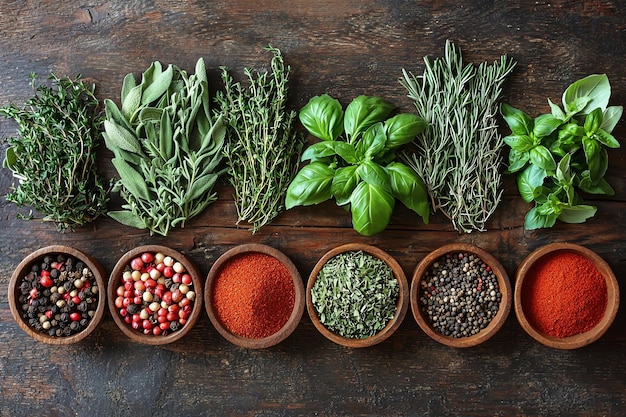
{"type": "Point", "coordinates": [57, 295]}
{"type": "Point", "coordinates": [460, 295]}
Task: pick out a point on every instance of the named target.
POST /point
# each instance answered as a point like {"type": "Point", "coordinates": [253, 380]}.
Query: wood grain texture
{"type": "Point", "coordinates": [344, 49]}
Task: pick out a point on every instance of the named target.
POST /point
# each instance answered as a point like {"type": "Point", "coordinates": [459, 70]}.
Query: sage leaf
{"type": "Point", "coordinates": [128, 84]}
{"type": "Point", "coordinates": [157, 86]}
{"type": "Point", "coordinates": [127, 218]}
{"type": "Point", "coordinates": [166, 137]}
{"type": "Point", "coordinates": [118, 137]}
{"type": "Point", "coordinates": [201, 186]}
{"type": "Point", "coordinates": [113, 113]}
{"type": "Point", "coordinates": [131, 179]}
{"type": "Point", "coordinates": [371, 208]}
{"type": "Point", "coordinates": [131, 102]}
{"type": "Point", "coordinates": [150, 114]}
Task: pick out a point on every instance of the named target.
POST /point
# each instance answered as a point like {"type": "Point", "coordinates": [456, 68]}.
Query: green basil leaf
{"type": "Point", "coordinates": [602, 187]}
{"type": "Point", "coordinates": [596, 87]}
{"type": "Point", "coordinates": [127, 218]}
{"type": "Point", "coordinates": [311, 185]}
{"type": "Point", "coordinates": [611, 116]}
{"type": "Point", "coordinates": [556, 111]}
{"type": "Point", "coordinates": [541, 156]}
{"type": "Point", "coordinates": [563, 169]}
{"type": "Point", "coordinates": [371, 208]}
{"type": "Point", "coordinates": [344, 182]}
{"type": "Point", "coordinates": [599, 165]}
{"type": "Point", "coordinates": [131, 179]}
{"type": "Point", "coordinates": [402, 129]}
{"type": "Point", "coordinates": [520, 143]}
{"type": "Point", "coordinates": [347, 151]}
{"type": "Point", "coordinates": [323, 117]}
{"type": "Point", "coordinates": [531, 178]}
{"type": "Point", "coordinates": [545, 124]}
{"type": "Point", "coordinates": [578, 105]}
{"type": "Point", "coordinates": [118, 137]}
{"type": "Point", "coordinates": [363, 112]}
{"type": "Point", "coordinates": [374, 174]}
{"type": "Point", "coordinates": [577, 214]}
{"type": "Point", "coordinates": [606, 139]}
{"type": "Point", "coordinates": [517, 161]}
{"type": "Point", "coordinates": [408, 187]}
{"type": "Point", "coordinates": [571, 133]}
{"type": "Point", "coordinates": [519, 122]}
{"type": "Point", "coordinates": [372, 142]}
{"type": "Point", "coordinates": [592, 149]}
{"type": "Point", "coordinates": [319, 150]}
{"type": "Point", "coordinates": [593, 121]}
{"type": "Point", "coordinates": [534, 220]}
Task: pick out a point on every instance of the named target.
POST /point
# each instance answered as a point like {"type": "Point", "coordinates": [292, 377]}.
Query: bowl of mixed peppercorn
{"type": "Point", "coordinates": [460, 295]}
{"type": "Point", "coordinates": [357, 295]}
{"type": "Point", "coordinates": [55, 295]}
{"type": "Point", "coordinates": [155, 294]}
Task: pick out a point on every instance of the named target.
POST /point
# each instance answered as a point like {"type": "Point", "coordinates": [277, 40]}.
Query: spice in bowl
{"type": "Point", "coordinates": [154, 294]}
{"type": "Point", "coordinates": [460, 294]}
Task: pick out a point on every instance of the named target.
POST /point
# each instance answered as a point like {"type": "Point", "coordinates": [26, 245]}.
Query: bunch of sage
{"type": "Point", "coordinates": [355, 294]}
{"type": "Point", "coordinates": [54, 157]}
{"type": "Point", "coordinates": [459, 154]}
{"type": "Point", "coordinates": [263, 147]}
{"type": "Point", "coordinates": [563, 152]}
{"type": "Point", "coordinates": [166, 146]}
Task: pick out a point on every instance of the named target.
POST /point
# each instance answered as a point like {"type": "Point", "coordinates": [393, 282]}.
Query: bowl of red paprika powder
{"type": "Point", "coordinates": [155, 294]}
{"type": "Point", "coordinates": [254, 296]}
{"type": "Point", "coordinates": [357, 295]}
{"type": "Point", "coordinates": [460, 295]}
{"type": "Point", "coordinates": [566, 296]}
{"type": "Point", "coordinates": [57, 296]}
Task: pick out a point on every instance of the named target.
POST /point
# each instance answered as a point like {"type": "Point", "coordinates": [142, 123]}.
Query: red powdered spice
{"type": "Point", "coordinates": [253, 295]}
{"type": "Point", "coordinates": [564, 294]}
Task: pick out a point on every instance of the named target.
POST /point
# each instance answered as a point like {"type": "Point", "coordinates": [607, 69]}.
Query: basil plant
{"type": "Point", "coordinates": [355, 162]}
{"type": "Point", "coordinates": [560, 154]}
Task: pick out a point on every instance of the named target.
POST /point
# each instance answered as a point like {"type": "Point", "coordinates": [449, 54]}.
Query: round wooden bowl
{"type": "Point", "coordinates": [582, 339]}
{"type": "Point", "coordinates": [294, 318]}
{"type": "Point", "coordinates": [115, 281]}
{"type": "Point", "coordinates": [401, 308]}
{"type": "Point", "coordinates": [497, 321]}
{"type": "Point", "coordinates": [24, 268]}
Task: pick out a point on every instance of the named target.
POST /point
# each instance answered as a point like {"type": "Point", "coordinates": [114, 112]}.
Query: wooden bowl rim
{"type": "Point", "coordinates": [116, 278]}
{"type": "Point", "coordinates": [401, 306]}
{"type": "Point", "coordinates": [505, 289]}
{"type": "Point", "coordinates": [18, 273]}
{"type": "Point", "coordinates": [298, 308]}
{"type": "Point", "coordinates": [582, 339]}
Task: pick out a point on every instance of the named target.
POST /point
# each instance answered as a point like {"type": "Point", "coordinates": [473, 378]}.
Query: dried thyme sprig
{"type": "Point", "coordinates": [263, 148]}
{"type": "Point", "coordinates": [54, 156]}
{"type": "Point", "coordinates": [459, 159]}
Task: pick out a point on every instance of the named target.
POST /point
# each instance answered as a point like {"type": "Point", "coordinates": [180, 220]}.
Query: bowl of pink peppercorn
{"type": "Point", "coordinates": [155, 294]}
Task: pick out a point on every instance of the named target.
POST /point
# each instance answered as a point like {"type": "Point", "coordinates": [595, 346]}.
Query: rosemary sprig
{"type": "Point", "coordinates": [460, 159]}
{"type": "Point", "coordinates": [54, 156]}
{"type": "Point", "coordinates": [263, 148]}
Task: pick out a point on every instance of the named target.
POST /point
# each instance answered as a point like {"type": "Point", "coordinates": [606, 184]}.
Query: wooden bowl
{"type": "Point", "coordinates": [401, 307]}
{"type": "Point", "coordinates": [582, 339]}
{"type": "Point", "coordinates": [296, 314]}
{"type": "Point", "coordinates": [25, 267]}
{"type": "Point", "coordinates": [496, 322]}
{"type": "Point", "coordinates": [115, 281]}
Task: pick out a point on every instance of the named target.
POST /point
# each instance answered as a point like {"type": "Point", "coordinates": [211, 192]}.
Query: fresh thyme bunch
{"type": "Point", "coordinates": [263, 148]}
{"type": "Point", "coordinates": [166, 145]}
{"type": "Point", "coordinates": [54, 158]}
{"type": "Point", "coordinates": [460, 159]}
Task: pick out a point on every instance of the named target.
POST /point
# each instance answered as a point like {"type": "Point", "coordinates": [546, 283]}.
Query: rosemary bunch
{"type": "Point", "coordinates": [167, 147]}
{"type": "Point", "coordinates": [460, 151]}
{"type": "Point", "coordinates": [54, 156]}
{"type": "Point", "coordinates": [263, 147]}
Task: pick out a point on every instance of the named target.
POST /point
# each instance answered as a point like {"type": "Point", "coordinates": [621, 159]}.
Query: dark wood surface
{"type": "Point", "coordinates": [345, 49]}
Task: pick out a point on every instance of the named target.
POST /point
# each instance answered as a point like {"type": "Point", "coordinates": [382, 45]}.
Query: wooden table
{"type": "Point", "coordinates": [345, 49]}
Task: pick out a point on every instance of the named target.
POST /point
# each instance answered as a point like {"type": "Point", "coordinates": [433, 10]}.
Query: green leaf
{"type": "Point", "coordinates": [311, 185]}
{"type": "Point", "coordinates": [374, 174]}
{"type": "Point", "coordinates": [166, 137]}
{"type": "Point", "coordinates": [611, 116]}
{"type": "Point", "coordinates": [592, 150]}
{"type": "Point", "coordinates": [127, 218]}
{"type": "Point", "coordinates": [131, 102]}
{"type": "Point", "coordinates": [153, 90]}
{"type": "Point", "coordinates": [319, 150]}
{"type": "Point", "coordinates": [602, 187]}
{"type": "Point", "coordinates": [201, 186]}
{"type": "Point", "coordinates": [534, 220]}
{"type": "Point", "coordinates": [571, 133]}
{"type": "Point", "coordinates": [577, 105]}
{"type": "Point", "coordinates": [593, 121]}
{"type": "Point", "coordinates": [407, 187]}
{"type": "Point", "coordinates": [150, 114]}
{"type": "Point", "coordinates": [10, 158]}
{"type": "Point", "coordinates": [371, 209]}
{"type": "Point", "coordinates": [344, 182]}
{"type": "Point", "coordinates": [606, 138]}
{"type": "Point", "coordinates": [531, 178]}
{"type": "Point", "coordinates": [363, 112]}
{"type": "Point", "coordinates": [596, 87]}
{"type": "Point", "coordinates": [372, 142]}
{"type": "Point", "coordinates": [519, 122]}
{"type": "Point", "coordinates": [402, 129]}
{"type": "Point", "coordinates": [323, 116]}
{"type": "Point", "coordinates": [541, 156]}
{"type": "Point", "coordinates": [347, 152]}
{"type": "Point", "coordinates": [128, 84]}
{"type": "Point", "coordinates": [517, 161]}
{"type": "Point", "coordinates": [131, 179]}
{"type": "Point", "coordinates": [556, 111]}
{"type": "Point", "coordinates": [520, 143]}
{"type": "Point", "coordinates": [545, 124]}
{"type": "Point", "coordinates": [599, 166]}
{"type": "Point", "coordinates": [577, 214]}
{"type": "Point", "coordinates": [118, 137]}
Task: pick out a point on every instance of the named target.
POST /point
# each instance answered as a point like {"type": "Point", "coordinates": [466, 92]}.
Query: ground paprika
{"type": "Point", "coordinates": [253, 295]}
{"type": "Point", "coordinates": [564, 294]}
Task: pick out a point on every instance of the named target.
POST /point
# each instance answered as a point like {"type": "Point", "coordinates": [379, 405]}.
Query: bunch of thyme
{"type": "Point", "coordinates": [54, 156]}
{"type": "Point", "coordinates": [460, 159]}
{"type": "Point", "coordinates": [263, 148]}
